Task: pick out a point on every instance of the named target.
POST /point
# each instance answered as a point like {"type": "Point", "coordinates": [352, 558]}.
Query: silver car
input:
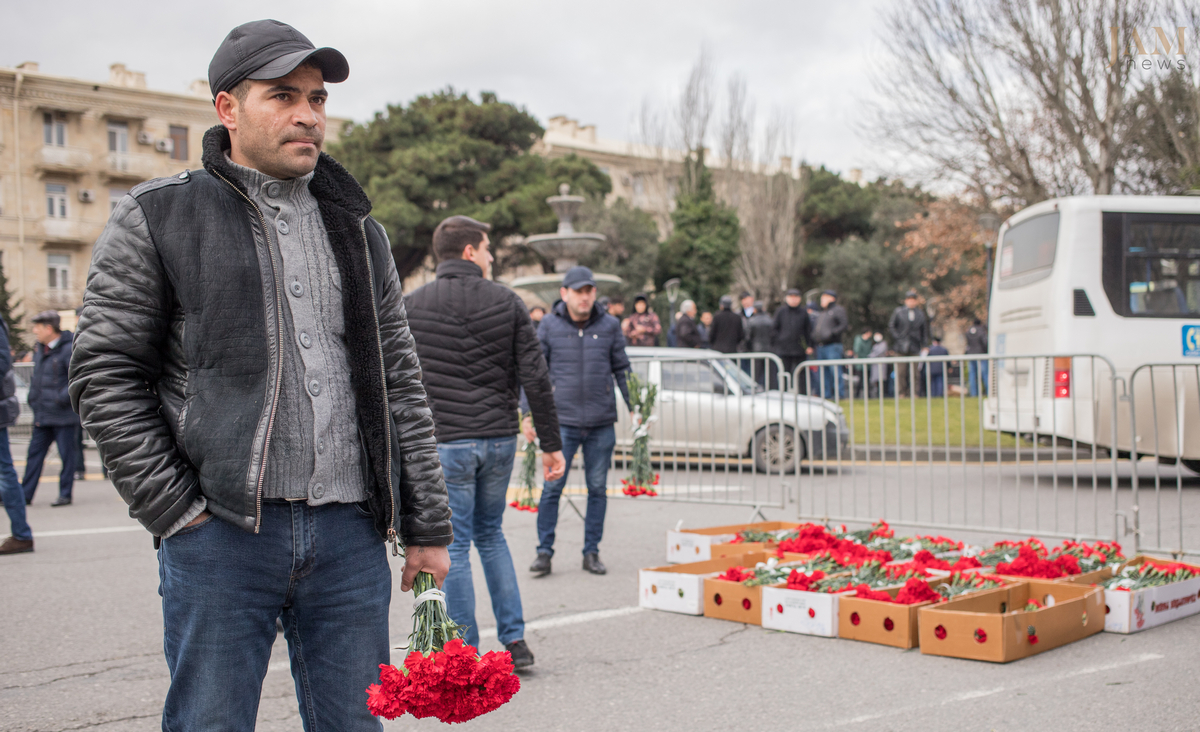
{"type": "Point", "coordinates": [708, 406]}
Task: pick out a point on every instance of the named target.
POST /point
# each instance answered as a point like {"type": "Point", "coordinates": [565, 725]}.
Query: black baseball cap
{"type": "Point", "coordinates": [831, 293]}
{"type": "Point", "coordinates": [268, 49]}
{"type": "Point", "coordinates": [577, 278]}
{"type": "Point", "coordinates": [791, 292]}
{"type": "Point", "coordinates": [48, 317]}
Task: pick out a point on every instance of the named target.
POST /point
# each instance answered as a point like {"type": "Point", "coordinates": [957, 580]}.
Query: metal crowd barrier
{"type": "Point", "coordinates": [1026, 455]}
{"type": "Point", "coordinates": [723, 432]}
{"type": "Point", "coordinates": [1164, 419]}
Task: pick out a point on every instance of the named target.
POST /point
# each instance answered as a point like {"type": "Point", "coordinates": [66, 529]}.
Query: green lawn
{"type": "Point", "coordinates": [877, 421]}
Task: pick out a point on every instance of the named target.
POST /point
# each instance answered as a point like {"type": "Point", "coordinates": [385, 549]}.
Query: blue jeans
{"type": "Point", "coordinates": [597, 444]}
{"type": "Point", "coordinates": [831, 374]}
{"type": "Point", "coordinates": [324, 569]}
{"type": "Point", "coordinates": [977, 377]}
{"type": "Point", "coordinates": [936, 385]}
{"type": "Point", "coordinates": [39, 445]}
{"type": "Point", "coordinates": [477, 476]}
{"type": "Point", "coordinates": [11, 493]}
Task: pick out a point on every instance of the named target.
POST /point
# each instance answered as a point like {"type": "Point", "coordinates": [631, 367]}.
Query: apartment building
{"type": "Point", "coordinates": [69, 150]}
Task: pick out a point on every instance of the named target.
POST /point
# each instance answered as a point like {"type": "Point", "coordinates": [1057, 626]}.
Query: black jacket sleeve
{"type": "Point", "coordinates": [620, 364]}
{"type": "Point", "coordinates": [424, 505]}
{"type": "Point", "coordinates": [537, 393]}
{"type": "Point", "coordinates": [117, 358]}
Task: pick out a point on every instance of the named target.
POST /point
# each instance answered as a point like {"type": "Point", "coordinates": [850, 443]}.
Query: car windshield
{"type": "Point", "coordinates": [728, 368]}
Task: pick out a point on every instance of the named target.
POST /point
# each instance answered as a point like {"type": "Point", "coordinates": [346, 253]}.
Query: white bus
{"type": "Point", "coordinates": [1115, 276]}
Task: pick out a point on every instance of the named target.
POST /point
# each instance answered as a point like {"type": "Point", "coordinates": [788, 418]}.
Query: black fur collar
{"type": "Point", "coordinates": [331, 183]}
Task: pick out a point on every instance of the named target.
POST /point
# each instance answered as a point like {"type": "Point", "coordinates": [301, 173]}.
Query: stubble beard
{"type": "Point", "coordinates": [274, 158]}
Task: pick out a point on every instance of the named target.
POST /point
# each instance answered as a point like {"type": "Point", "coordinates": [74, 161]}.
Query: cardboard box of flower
{"type": "Point", "coordinates": [867, 616]}
{"type": "Point", "coordinates": [1011, 622]}
{"type": "Point", "coordinates": [736, 594]}
{"type": "Point", "coordinates": [679, 588]}
{"type": "Point", "coordinates": [695, 545]}
{"type": "Point", "coordinates": [1072, 561]}
{"type": "Point", "coordinates": [1148, 592]}
{"type": "Point", "coordinates": [807, 611]}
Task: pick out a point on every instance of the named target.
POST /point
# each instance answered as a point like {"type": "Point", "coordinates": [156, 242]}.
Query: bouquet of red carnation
{"type": "Point", "coordinates": [965, 563]}
{"type": "Point", "coordinates": [915, 590]}
{"type": "Point", "coordinates": [525, 500]}
{"type": "Point", "coordinates": [797, 580]}
{"type": "Point", "coordinates": [442, 676]}
{"type": "Point", "coordinates": [960, 584]}
{"type": "Point", "coordinates": [642, 396]}
{"type": "Point", "coordinates": [1029, 564]}
{"type": "Point", "coordinates": [921, 561]}
{"type": "Point", "coordinates": [938, 544]}
{"type": "Point", "coordinates": [1150, 573]}
{"type": "Point", "coordinates": [1097, 556]}
{"type": "Point", "coordinates": [1007, 551]}
{"type": "Point", "coordinates": [736, 574]}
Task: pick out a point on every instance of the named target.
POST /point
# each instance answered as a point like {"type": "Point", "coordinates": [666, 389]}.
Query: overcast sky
{"type": "Point", "coordinates": [595, 62]}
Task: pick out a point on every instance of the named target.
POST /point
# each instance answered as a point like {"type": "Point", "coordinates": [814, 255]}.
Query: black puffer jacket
{"type": "Point", "coordinates": [584, 363]}
{"type": "Point", "coordinates": [176, 363]}
{"type": "Point", "coordinates": [48, 396]}
{"type": "Point", "coordinates": [791, 330]}
{"type": "Point", "coordinates": [477, 347]}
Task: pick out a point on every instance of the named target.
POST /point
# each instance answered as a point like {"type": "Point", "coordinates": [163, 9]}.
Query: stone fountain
{"type": "Point", "coordinates": [565, 247]}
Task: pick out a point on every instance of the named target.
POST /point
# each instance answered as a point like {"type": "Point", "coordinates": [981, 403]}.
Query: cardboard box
{"type": "Point", "coordinates": [736, 601]}
{"type": "Point", "coordinates": [1135, 610]}
{"type": "Point", "coordinates": [992, 625]}
{"type": "Point", "coordinates": [1087, 578]}
{"type": "Point", "coordinates": [885, 623]}
{"type": "Point", "coordinates": [695, 545]}
{"type": "Point", "coordinates": [679, 588]}
{"type": "Point", "coordinates": [797, 611]}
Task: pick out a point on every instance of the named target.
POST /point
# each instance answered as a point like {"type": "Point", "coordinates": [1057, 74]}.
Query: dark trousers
{"type": "Point", "coordinates": [903, 372]}
{"type": "Point", "coordinates": [790, 364]}
{"type": "Point", "coordinates": [597, 444]}
{"type": "Point", "coordinates": [10, 491]}
{"type": "Point", "coordinates": [39, 445]}
{"type": "Point", "coordinates": [323, 570]}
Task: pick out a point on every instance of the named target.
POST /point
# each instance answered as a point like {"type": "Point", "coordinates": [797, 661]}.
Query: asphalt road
{"type": "Point", "coordinates": [82, 649]}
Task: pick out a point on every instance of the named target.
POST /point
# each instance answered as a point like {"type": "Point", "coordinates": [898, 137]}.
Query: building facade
{"type": "Point", "coordinates": [69, 150]}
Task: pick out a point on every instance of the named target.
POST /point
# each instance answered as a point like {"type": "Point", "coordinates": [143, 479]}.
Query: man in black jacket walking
{"type": "Point", "coordinates": [477, 347]}
{"type": "Point", "coordinates": [790, 332]}
{"type": "Point", "coordinates": [831, 324]}
{"type": "Point", "coordinates": [585, 351]}
{"type": "Point", "coordinates": [53, 419]}
{"type": "Point", "coordinates": [280, 440]}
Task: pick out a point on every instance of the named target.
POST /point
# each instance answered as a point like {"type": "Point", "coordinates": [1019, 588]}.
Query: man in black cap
{"type": "Point", "coordinates": [910, 332]}
{"type": "Point", "coordinates": [276, 444]}
{"type": "Point", "coordinates": [585, 351]}
{"type": "Point", "coordinates": [790, 332]}
{"type": "Point", "coordinates": [827, 332]}
{"type": "Point", "coordinates": [54, 422]}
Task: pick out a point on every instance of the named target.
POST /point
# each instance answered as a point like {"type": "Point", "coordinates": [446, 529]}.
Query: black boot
{"type": "Point", "coordinates": [522, 657]}
{"type": "Point", "coordinates": [592, 563]}
{"type": "Point", "coordinates": [541, 565]}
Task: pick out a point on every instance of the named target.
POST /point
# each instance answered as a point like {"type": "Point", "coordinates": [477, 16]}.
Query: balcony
{"type": "Point", "coordinates": [130, 167]}
{"type": "Point", "coordinates": [70, 232]}
{"type": "Point", "coordinates": [57, 299]}
{"type": "Point", "coordinates": [63, 160]}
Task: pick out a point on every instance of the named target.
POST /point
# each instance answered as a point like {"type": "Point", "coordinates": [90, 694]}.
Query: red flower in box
{"type": "Point", "coordinates": [736, 574]}
{"type": "Point", "coordinates": [867, 593]}
{"type": "Point", "coordinates": [965, 563]}
{"type": "Point", "coordinates": [804, 582]}
{"type": "Point", "coordinates": [916, 590]}
{"type": "Point", "coordinates": [1029, 564]}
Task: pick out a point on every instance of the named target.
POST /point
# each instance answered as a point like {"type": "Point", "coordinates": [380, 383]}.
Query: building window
{"type": "Point", "coordinates": [179, 138]}
{"type": "Point", "coordinates": [54, 129]}
{"type": "Point", "coordinates": [59, 271]}
{"type": "Point", "coordinates": [56, 200]}
{"type": "Point", "coordinates": [118, 137]}
{"type": "Point", "coordinates": [114, 197]}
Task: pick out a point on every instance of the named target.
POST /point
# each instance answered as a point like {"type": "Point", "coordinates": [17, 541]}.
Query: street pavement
{"type": "Point", "coordinates": [82, 648]}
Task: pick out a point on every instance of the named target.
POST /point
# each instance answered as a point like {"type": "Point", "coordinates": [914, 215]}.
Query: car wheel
{"type": "Point", "coordinates": [775, 449]}
{"type": "Point", "coordinates": [1192, 465]}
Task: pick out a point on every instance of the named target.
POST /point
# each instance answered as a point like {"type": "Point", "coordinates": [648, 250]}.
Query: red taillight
{"type": "Point", "coordinates": [1062, 378]}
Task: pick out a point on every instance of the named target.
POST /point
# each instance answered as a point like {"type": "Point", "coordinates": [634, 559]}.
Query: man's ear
{"type": "Point", "coordinates": [227, 107]}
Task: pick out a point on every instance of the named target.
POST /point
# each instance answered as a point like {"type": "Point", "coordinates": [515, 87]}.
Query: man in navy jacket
{"type": "Point", "coordinates": [53, 419]}
{"type": "Point", "coordinates": [585, 351]}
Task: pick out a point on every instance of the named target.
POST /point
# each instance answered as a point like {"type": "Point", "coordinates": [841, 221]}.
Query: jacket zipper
{"type": "Point", "coordinates": [387, 412]}
{"type": "Point", "coordinates": [262, 471]}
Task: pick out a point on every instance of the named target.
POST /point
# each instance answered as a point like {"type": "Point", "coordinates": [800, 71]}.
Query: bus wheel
{"type": "Point", "coordinates": [775, 453]}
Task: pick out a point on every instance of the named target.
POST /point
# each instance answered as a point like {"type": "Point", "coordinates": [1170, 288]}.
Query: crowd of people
{"type": "Point", "coordinates": [798, 332]}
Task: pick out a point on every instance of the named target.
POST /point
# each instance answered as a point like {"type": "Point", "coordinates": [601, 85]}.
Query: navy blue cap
{"type": "Point", "coordinates": [577, 278]}
{"type": "Point", "coordinates": [831, 293]}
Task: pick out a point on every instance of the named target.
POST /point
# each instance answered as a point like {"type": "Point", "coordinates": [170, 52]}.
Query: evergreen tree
{"type": "Point", "coordinates": [8, 310]}
{"type": "Point", "coordinates": [704, 245]}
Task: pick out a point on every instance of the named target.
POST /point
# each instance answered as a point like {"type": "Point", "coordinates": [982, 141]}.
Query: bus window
{"type": "Point", "coordinates": [1027, 252]}
{"type": "Point", "coordinates": [1152, 264]}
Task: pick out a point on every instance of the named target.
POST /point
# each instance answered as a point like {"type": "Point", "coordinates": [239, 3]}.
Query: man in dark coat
{"type": "Point", "coordinates": [727, 331]}
{"type": "Point", "coordinates": [790, 331]}
{"type": "Point", "coordinates": [909, 329]}
{"type": "Point", "coordinates": [54, 422]}
{"type": "Point", "coordinates": [687, 333]}
{"type": "Point", "coordinates": [477, 348]}
{"type": "Point", "coordinates": [937, 369]}
{"type": "Point", "coordinates": [245, 365]}
{"type": "Point", "coordinates": [585, 351]}
{"type": "Point", "coordinates": [977, 371]}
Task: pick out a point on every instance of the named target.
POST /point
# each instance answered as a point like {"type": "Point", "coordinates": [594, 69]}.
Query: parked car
{"type": "Point", "coordinates": [709, 407]}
